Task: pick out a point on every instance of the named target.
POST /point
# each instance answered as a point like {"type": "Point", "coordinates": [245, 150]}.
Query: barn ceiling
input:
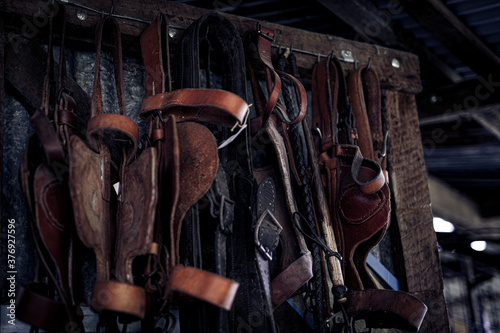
{"type": "Point", "coordinates": [458, 44]}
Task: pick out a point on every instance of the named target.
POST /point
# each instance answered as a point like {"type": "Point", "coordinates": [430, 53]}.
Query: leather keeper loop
{"type": "Point", "coordinates": [203, 285]}
{"type": "Point", "coordinates": [157, 134]}
{"type": "Point", "coordinates": [40, 311]}
{"type": "Point", "coordinates": [154, 248]}
{"type": "Point", "coordinates": [114, 122]}
{"type": "Point", "coordinates": [66, 117]}
{"type": "Point", "coordinates": [119, 297]}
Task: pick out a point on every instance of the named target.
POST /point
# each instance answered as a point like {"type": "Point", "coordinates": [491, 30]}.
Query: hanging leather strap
{"type": "Point", "coordinates": [100, 121]}
{"type": "Point", "coordinates": [365, 97]}
{"type": "Point", "coordinates": [258, 50]}
{"type": "Point", "coordinates": [181, 170]}
{"type": "Point", "coordinates": [359, 202]}
{"type": "Point", "coordinates": [50, 212]}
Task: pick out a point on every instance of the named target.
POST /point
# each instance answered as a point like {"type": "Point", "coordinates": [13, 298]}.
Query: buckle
{"type": "Point", "coordinates": [266, 249]}
{"type": "Point", "coordinates": [223, 214]}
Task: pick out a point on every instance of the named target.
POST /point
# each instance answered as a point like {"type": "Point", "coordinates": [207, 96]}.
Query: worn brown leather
{"type": "Point", "coordinates": [44, 184]}
{"type": "Point", "coordinates": [54, 220]}
{"type": "Point", "coordinates": [203, 285]}
{"type": "Point", "coordinates": [188, 158]}
{"type": "Point", "coordinates": [90, 190]}
{"type": "Point", "coordinates": [358, 194]}
{"type": "Point", "coordinates": [205, 105]}
{"type": "Point", "coordinates": [38, 310]}
{"type": "Point", "coordinates": [258, 50]}
{"type": "Point", "coordinates": [121, 229]}
{"type": "Point", "coordinates": [364, 92]}
{"type": "Point", "coordinates": [387, 308]}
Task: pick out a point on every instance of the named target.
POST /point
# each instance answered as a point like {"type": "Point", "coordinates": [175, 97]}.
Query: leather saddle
{"type": "Point", "coordinates": [118, 227]}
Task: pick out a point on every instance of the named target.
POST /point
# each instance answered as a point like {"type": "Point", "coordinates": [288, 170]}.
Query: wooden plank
{"type": "Point", "coordinates": [25, 71]}
{"type": "Point", "coordinates": [438, 20]}
{"type": "Point", "coordinates": [420, 267]}
{"type": "Point", "coordinates": [405, 78]}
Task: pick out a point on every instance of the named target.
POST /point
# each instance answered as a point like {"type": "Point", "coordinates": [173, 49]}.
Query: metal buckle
{"type": "Point", "coordinates": [265, 250]}
{"type": "Point", "coordinates": [226, 230]}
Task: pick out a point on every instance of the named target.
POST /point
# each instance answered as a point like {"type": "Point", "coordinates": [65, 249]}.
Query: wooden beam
{"type": "Point", "coordinates": [405, 78]}
{"type": "Point", "coordinates": [420, 268]}
{"type": "Point", "coordinates": [489, 119]}
{"type": "Point", "coordinates": [438, 20]}
{"type": "Point", "coordinates": [481, 112]}
{"type": "Point", "coordinates": [463, 96]}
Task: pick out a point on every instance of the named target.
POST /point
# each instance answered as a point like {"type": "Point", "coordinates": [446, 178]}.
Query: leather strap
{"type": "Point", "coordinates": [48, 137]}
{"type": "Point", "coordinates": [206, 105]}
{"type": "Point", "coordinates": [266, 237]}
{"type": "Point", "coordinates": [116, 123]}
{"type": "Point", "coordinates": [153, 58]}
{"type": "Point", "coordinates": [97, 107]}
{"type": "Point", "coordinates": [49, 208]}
{"type": "Point", "coordinates": [38, 310]}
{"type": "Point", "coordinates": [100, 121]}
{"type": "Point", "coordinates": [119, 297]}
{"type": "Point", "coordinates": [203, 285]}
{"type": "Point", "coordinates": [258, 50]}
{"type": "Point", "coordinates": [387, 308]}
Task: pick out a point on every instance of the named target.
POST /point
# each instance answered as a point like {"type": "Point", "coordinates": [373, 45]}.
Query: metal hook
{"type": "Point", "coordinates": [319, 57]}
{"type": "Point", "coordinates": [332, 54]}
{"type": "Point", "coordinates": [291, 47]}
{"type": "Point", "coordinates": [368, 65]}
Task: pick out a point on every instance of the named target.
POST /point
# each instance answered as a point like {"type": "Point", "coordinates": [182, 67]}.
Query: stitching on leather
{"type": "Point", "coordinates": [379, 193]}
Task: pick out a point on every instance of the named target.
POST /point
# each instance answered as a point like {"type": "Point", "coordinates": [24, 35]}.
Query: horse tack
{"type": "Point", "coordinates": [49, 207]}
{"type": "Point", "coordinates": [189, 164]}
{"type": "Point", "coordinates": [115, 242]}
{"type": "Point", "coordinates": [359, 198]}
{"type": "Point", "coordinates": [258, 47]}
